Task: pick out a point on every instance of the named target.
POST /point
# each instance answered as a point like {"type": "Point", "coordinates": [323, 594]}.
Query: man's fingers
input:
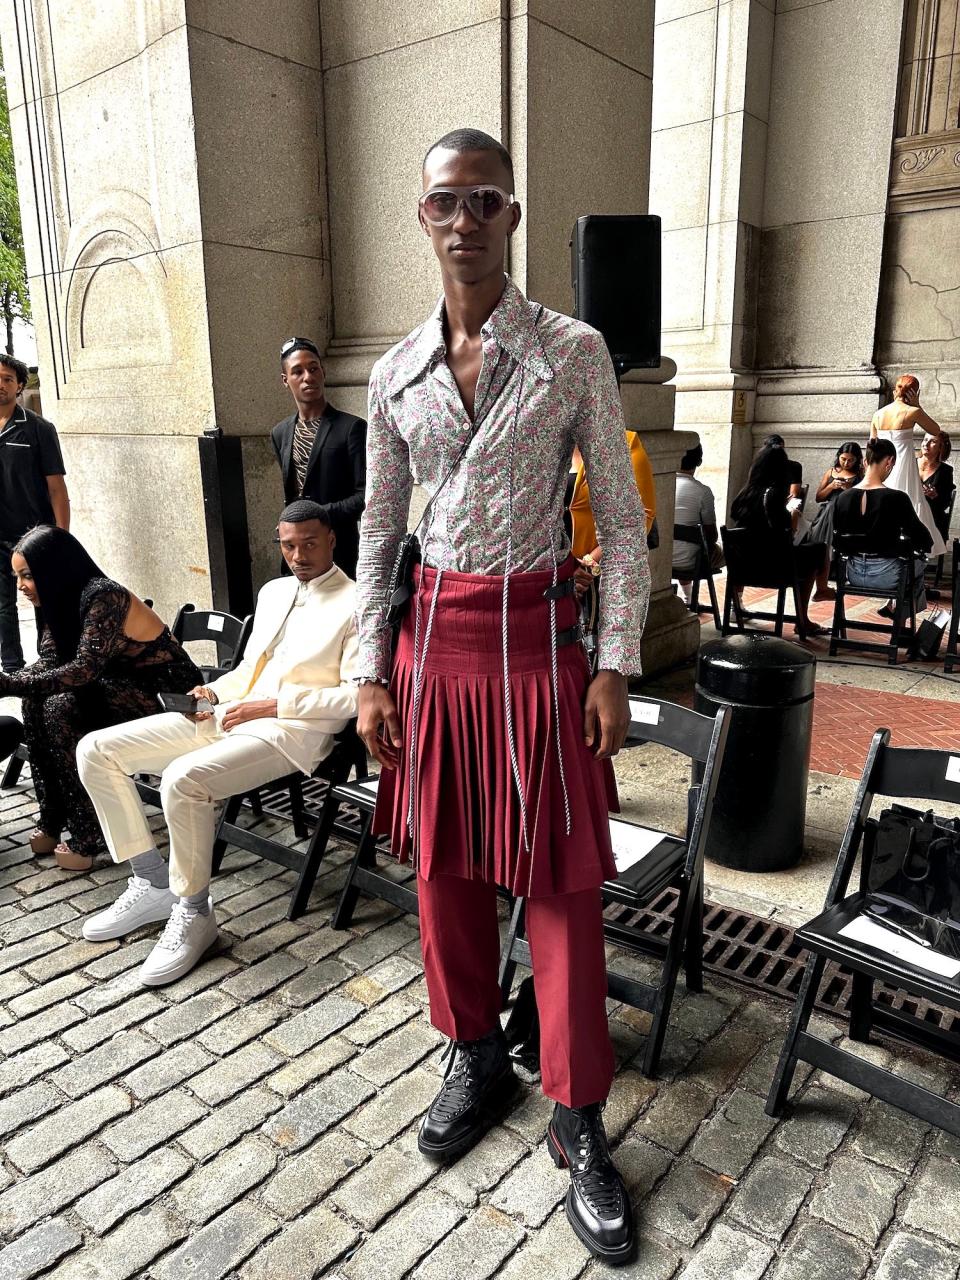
{"type": "Point", "coordinates": [589, 724]}
{"type": "Point", "coordinates": [392, 726]}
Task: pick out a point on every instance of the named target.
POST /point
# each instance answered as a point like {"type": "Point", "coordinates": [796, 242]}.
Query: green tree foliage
{"type": "Point", "coordinates": [14, 293]}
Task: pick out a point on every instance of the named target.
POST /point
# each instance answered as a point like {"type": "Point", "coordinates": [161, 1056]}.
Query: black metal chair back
{"type": "Point", "coordinates": [227, 632]}
{"type": "Point", "coordinates": [901, 631]}
{"type": "Point", "coordinates": [695, 535]}
{"type": "Point", "coordinates": [768, 563]}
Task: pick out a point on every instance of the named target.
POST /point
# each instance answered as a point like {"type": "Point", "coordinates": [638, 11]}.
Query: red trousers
{"type": "Point", "coordinates": [460, 940]}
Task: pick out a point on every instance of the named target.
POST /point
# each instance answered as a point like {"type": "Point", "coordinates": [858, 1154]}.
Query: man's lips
{"type": "Point", "coordinates": [466, 248]}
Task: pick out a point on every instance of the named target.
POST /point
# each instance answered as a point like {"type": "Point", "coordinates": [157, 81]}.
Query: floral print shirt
{"type": "Point", "coordinates": [546, 384]}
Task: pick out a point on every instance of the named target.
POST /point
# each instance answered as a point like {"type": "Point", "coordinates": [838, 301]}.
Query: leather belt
{"type": "Point", "coordinates": [561, 590]}
{"type": "Point", "coordinates": [572, 635]}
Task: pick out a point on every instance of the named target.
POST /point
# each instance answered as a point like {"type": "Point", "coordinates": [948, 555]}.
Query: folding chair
{"type": "Point", "coordinates": [363, 876]}
{"type": "Point", "coordinates": [952, 657]}
{"type": "Point", "coordinates": [889, 772]}
{"type": "Point", "coordinates": [702, 570]}
{"type": "Point", "coordinates": [650, 861]}
{"type": "Point", "coordinates": [947, 517]}
{"type": "Point", "coordinates": [228, 633]}
{"type": "Point", "coordinates": [901, 630]}
{"type": "Point", "coordinates": [348, 754]}
{"type": "Point", "coordinates": [773, 566]}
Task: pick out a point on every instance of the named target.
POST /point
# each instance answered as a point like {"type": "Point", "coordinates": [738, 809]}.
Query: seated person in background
{"type": "Point", "coordinates": [795, 496]}
{"type": "Point", "coordinates": [883, 517]}
{"type": "Point", "coordinates": [277, 712]}
{"type": "Point", "coordinates": [583, 535]}
{"type": "Point", "coordinates": [694, 505]}
{"type": "Point", "coordinates": [104, 657]}
{"type": "Point", "coordinates": [847, 471]}
{"type": "Point", "coordinates": [937, 479]}
{"type": "Point", "coordinates": [761, 508]}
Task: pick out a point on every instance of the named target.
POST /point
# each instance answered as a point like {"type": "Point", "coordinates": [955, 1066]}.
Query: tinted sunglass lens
{"type": "Point", "coordinates": [487, 203]}
{"type": "Point", "coordinates": [439, 206]}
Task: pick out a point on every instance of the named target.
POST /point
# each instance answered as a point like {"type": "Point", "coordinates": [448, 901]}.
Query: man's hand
{"type": "Point", "coordinates": [606, 714]}
{"type": "Point", "coordinates": [582, 578]}
{"type": "Point", "coordinates": [263, 709]}
{"type": "Point", "coordinates": [198, 692]}
{"type": "Point", "coordinates": [377, 710]}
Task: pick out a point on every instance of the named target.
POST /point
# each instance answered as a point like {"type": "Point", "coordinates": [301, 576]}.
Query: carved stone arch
{"type": "Point", "coordinates": [117, 313]}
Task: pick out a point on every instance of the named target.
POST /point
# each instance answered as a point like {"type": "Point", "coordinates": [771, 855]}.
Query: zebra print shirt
{"type": "Point", "coordinates": [304, 435]}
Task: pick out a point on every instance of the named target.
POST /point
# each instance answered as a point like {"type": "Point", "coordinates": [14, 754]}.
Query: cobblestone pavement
{"type": "Point", "coordinates": [258, 1118]}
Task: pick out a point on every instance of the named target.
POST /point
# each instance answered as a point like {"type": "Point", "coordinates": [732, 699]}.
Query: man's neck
{"type": "Point", "coordinates": [309, 412]}
{"type": "Point", "coordinates": [469, 306]}
{"type": "Point", "coordinates": [681, 472]}
{"type": "Point", "coordinates": [6, 414]}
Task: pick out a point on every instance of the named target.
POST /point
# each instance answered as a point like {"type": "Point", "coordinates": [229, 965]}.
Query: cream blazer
{"type": "Point", "coordinates": [317, 695]}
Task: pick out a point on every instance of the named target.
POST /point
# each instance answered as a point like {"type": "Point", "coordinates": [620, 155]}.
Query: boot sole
{"type": "Point", "coordinates": [492, 1109]}
{"type": "Point", "coordinates": [615, 1257]}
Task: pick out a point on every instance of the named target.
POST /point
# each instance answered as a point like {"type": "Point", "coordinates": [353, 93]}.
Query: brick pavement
{"type": "Point", "coordinates": [258, 1118]}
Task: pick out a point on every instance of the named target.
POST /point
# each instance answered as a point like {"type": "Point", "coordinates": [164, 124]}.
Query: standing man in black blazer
{"type": "Point", "coordinates": [321, 450]}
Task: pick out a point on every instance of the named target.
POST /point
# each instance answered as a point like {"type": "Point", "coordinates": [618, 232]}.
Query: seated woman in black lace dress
{"type": "Point", "coordinates": [104, 657]}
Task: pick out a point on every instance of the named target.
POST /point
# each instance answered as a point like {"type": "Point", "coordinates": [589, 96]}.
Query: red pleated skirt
{"type": "Point", "coordinates": [467, 817]}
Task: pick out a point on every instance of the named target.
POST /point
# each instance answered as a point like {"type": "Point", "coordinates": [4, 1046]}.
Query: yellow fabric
{"type": "Point", "coordinates": [584, 529]}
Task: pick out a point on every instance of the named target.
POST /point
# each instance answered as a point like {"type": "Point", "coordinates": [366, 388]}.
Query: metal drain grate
{"type": "Point", "coordinates": [764, 955]}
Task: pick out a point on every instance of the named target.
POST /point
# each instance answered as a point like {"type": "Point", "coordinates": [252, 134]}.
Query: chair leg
{"type": "Point", "coordinates": [313, 856]}
{"type": "Point", "coordinates": [229, 816]}
{"type": "Point", "coordinates": [787, 1063]}
{"type": "Point", "coordinates": [256, 803]}
{"type": "Point", "coordinates": [664, 999]}
{"type": "Point", "coordinates": [861, 1007]}
{"type": "Point", "coordinates": [350, 894]}
{"type": "Point", "coordinates": [781, 610]}
{"type": "Point", "coordinates": [508, 966]}
{"type": "Point", "coordinates": [297, 810]}
{"type": "Point", "coordinates": [11, 774]}
{"type": "Point", "coordinates": [693, 944]}
{"type": "Point", "coordinates": [714, 602]}
{"type": "Point", "coordinates": [839, 629]}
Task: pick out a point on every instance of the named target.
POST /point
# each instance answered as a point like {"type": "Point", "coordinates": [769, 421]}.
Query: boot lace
{"type": "Point", "coordinates": [463, 1078]}
{"type": "Point", "coordinates": [592, 1169]}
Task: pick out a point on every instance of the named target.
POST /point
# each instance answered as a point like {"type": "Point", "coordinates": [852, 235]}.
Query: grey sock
{"type": "Point", "coordinates": [150, 866]}
{"type": "Point", "coordinates": [200, 902]}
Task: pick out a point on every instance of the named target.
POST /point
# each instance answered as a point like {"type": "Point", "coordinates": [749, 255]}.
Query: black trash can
{"type": "Point", "coordinates": [761, 800]}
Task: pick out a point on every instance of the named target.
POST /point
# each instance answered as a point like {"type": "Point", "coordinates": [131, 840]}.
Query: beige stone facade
{"type": "Point", "coordinates": [201, 179]}
{"type": "Point", "coordinates": [804, 162]}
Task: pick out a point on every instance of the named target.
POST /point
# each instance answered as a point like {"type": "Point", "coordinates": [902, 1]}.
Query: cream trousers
{"type": "Point", "coordinates": [199, 764]}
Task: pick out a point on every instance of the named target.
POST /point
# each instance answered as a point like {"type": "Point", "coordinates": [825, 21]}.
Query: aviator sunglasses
{"type": "Point", "coordinates": [442, 204]}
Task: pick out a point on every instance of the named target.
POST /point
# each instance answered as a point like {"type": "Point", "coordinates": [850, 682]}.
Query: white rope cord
{"type": "Point", "coordinates": [507, 695]}
{"type": "Point", "coordinates": [555, 683]}
{"type": "Point", "coordinates": [419, 666]}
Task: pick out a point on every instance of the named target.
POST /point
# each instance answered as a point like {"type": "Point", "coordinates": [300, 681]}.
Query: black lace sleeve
{"type": "Point", "coordinates": [105, 606]}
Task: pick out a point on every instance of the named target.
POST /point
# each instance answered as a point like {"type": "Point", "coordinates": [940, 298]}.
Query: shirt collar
{"type": "Point", "coordinates": [307, 588]}
{"type": "Point", "coordinates": [512, 325]}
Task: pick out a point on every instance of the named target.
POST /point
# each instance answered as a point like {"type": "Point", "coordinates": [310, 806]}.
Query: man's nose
{"type": "Point", "coordinates": [465, 221]}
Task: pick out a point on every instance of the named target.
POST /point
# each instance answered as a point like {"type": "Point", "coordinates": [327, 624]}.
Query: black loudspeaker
{"type": "Point", "coordinates": [615, 261]}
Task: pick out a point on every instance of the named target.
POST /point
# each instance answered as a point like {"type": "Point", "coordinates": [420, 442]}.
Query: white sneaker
{"type": "Point", "coordinates": [140, 903]}
{"type": "Point", "coordinates": [186, 939]}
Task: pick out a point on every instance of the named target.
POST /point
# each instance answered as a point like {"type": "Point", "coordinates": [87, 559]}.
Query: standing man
{"type": "Point", "coordinates": [32, 491]}
{"type": "Point", "coordinates": [321, 450]}
{"type": "Point", "coordinates": [496, 751]}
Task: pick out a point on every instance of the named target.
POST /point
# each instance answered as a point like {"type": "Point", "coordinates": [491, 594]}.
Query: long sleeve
{"type": "Point", "coordinates": [337, 703]}
{"type": "Point", "coordinates": [100, 638]}
{"type": "Point", "coordinates": [617, 510]}
{"type": "Point", "coordinates": [351, 508]}
{"type": "Point", "coordinates": [389, 487]}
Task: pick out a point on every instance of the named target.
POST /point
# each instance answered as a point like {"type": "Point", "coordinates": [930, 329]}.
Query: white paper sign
{"type": "Point", "coordinates": [215, 623]}
{"type": "Point", "coordinates": [953, 769]}
{"type": "Point", "coordinates": [631, 843]}
{"type": "Point", "coordinates": [644, 712]}
{"type": "Point", "coordinates": [868, 931]}
{"type": "Point", "coordinates": [370, 784]}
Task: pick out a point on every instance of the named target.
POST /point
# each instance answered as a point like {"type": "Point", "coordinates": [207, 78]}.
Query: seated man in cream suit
{"type": "Point", "coordinates": [276, 712]}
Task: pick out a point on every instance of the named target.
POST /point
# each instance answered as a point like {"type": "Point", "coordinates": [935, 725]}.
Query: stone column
{"type": "Point", "coordinates": [568, 88]}
{"type": "Point", "coordinates": [170, 167]}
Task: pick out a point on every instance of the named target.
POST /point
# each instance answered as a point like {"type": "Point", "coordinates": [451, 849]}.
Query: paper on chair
{"type": "Point", "coordinates": [631, 843]}
{"type": "Point", "coordinates": [644, 712]}
{"type": "Point", "coordinates": [370, 784]}
{"type": "Point", "coordinates": [868, 931]}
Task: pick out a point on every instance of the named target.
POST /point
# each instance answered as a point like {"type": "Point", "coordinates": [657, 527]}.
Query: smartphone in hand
{"type": "Point", "coordinates": [183, 703]}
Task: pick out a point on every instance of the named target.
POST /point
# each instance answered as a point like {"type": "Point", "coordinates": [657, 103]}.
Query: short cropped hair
{"type": "Point", "coordinates": [877, 450]}
{"type": "Point", "coordinates": [692, 459]}
{"type": "Point", "coordinates": [18, 367]}
{"type": "Point", "coordinates": [304, 509]}
{"type": "Point", "coordinates": [472, 140]}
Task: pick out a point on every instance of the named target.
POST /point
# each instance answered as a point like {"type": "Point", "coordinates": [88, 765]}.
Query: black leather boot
{"type": "Point", "coordinates": [478, 1080]}
{"type": "Point", "coordinates": [598, 1207]}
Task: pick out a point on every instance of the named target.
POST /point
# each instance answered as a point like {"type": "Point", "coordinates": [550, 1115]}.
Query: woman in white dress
{"type": "Point", "coordinates": [896, 422]}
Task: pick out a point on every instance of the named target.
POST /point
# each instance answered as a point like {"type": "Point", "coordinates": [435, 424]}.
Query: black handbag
{"type": "Point", "coordinates": [913, 877]}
